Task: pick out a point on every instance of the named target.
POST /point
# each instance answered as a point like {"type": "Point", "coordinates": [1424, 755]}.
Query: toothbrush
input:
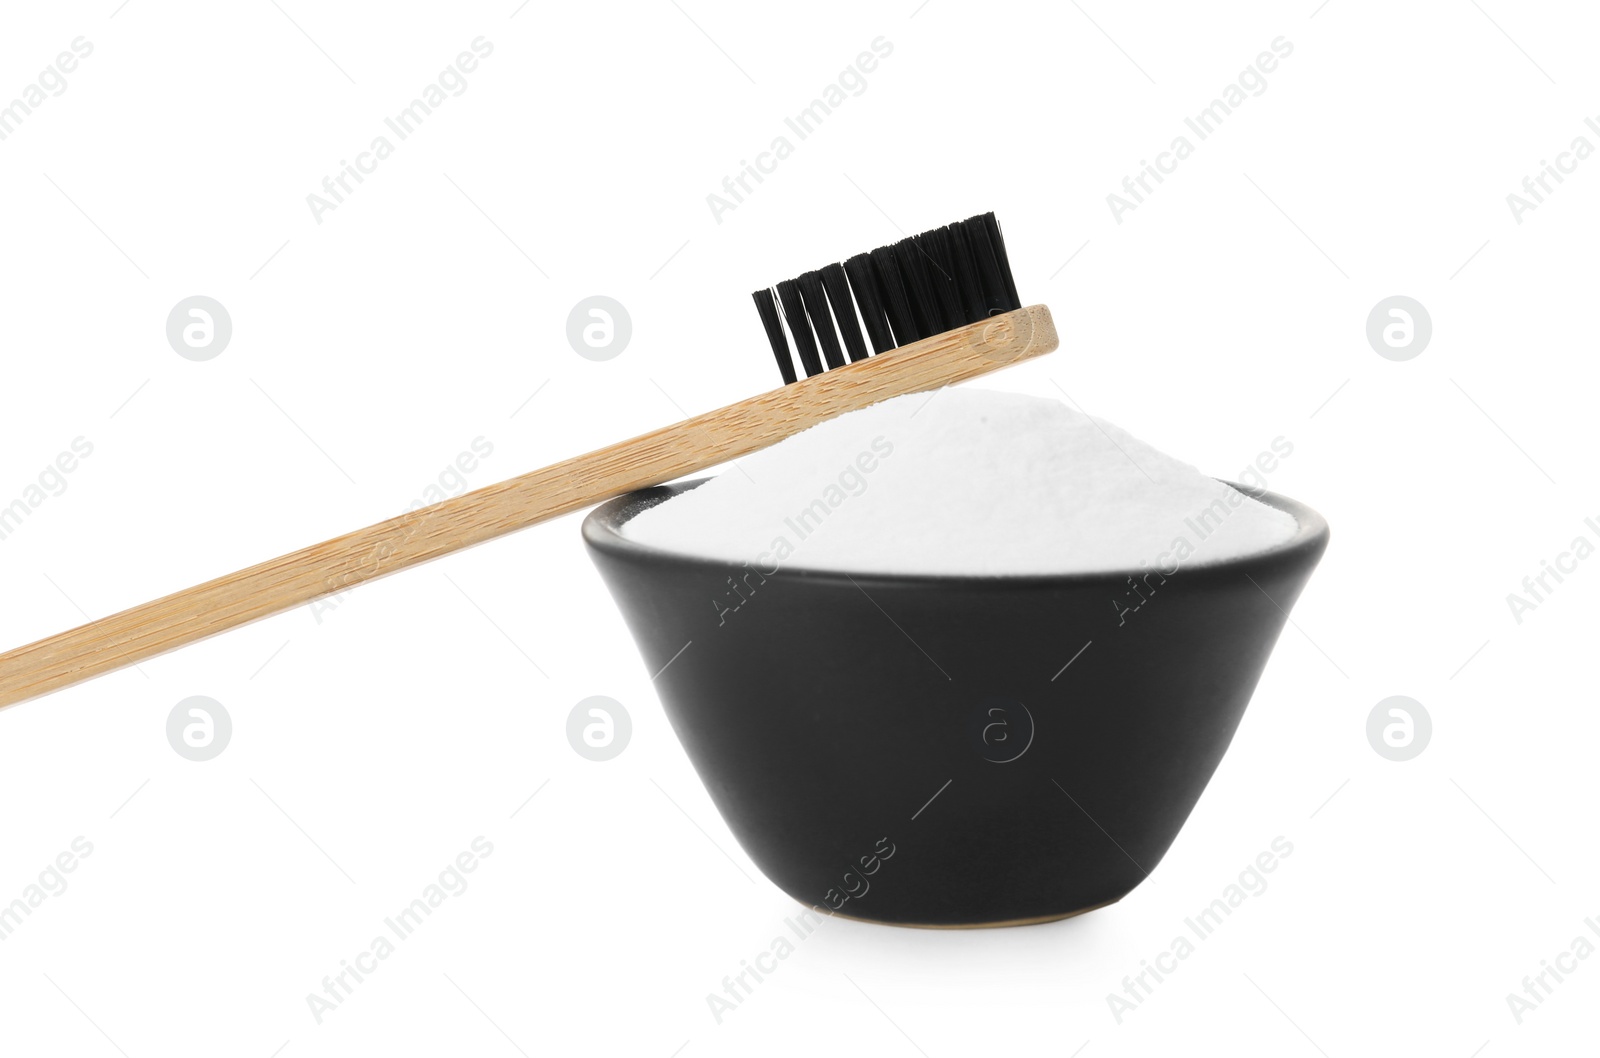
{"type": "Point", "coordinates": [937, 308]}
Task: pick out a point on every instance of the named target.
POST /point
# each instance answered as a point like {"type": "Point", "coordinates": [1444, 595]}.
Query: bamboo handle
{"type": "Point", "coordinates": [341, 563]}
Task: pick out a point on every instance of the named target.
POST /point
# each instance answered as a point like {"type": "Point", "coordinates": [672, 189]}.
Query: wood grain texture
{"type": "Point", "coordinates": [671, 452]}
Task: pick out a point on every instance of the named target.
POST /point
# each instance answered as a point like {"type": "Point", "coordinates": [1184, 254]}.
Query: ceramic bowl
{"type": "Point", "coordinates": [952, 751]}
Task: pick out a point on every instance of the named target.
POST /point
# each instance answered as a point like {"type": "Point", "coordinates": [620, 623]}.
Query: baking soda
{"type": "Point", "coordinates": [967, 481]}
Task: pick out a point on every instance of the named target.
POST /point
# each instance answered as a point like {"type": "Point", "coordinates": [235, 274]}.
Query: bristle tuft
{"type": "Point", "coordinates": [864, 288]}
{"type": "Point", "coordinates": [768, 310]}
{"type": "Point", "coordinates": [794, 314]}
{"type": "Point", "coordinates": [920, 286]}
{"type": "Point", "coordinates": [821, 319]}
{"type": "Point", "coordinates": [844, 313]}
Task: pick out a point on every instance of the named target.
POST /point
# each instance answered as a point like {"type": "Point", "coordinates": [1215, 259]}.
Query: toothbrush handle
{"type": "Point", "coordinates": [692, 445]}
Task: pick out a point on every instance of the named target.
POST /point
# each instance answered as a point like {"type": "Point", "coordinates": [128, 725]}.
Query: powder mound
{"type": "Point", "coordinates": [963, 481]}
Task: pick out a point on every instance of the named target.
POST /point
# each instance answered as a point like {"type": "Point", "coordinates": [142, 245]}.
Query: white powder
{"type": "Point", "coordinates": [966, 482]}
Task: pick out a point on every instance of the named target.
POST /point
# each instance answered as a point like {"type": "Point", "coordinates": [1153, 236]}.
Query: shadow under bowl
{"type": "Point", "coordinates": [952, 751]}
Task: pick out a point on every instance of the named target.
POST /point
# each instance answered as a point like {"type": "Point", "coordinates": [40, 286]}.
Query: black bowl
{"type": "Point", "coordinates": [952, 751]}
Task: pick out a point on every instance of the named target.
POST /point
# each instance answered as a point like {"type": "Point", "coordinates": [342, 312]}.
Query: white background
{"type": "Point", "coordinates": [371, 746]}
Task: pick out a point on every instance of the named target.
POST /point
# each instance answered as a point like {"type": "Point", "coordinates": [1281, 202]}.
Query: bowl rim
{"type": "Point", "coordinates": [602, 531]}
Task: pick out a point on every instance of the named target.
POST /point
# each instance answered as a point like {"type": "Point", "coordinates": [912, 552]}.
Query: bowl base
{"type": "Point", "coordinates": [1036, 920]}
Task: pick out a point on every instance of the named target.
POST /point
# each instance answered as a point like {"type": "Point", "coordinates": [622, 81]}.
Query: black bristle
{"type": "Point", "coordinates": [821, 319]}
{"type": "Point", "coordinates": [993, 285]}
{"type": "Point", "coordinates": [966, 273]}
{"type": "Point", "coordinates": [914, 269]}
{"type": "Point", "coordinates": [916, 288]}
{"type": "Point", "coordinates": [767, 308]}
{"type": "Point", "coordinates": [892, 292]}
{"type": "Point", "coordinates": [844, 311]}
{"type": "Point", "coordinates": [794, 313]}
{"type": "Point", "coordinates": [865, 290]}
{"type": "Point", "coordinates": [942, 276]}
{"type": "Point", "coordinates": [993, 227]}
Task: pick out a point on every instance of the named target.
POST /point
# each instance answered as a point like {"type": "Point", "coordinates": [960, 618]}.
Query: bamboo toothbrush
{"type": "Point", "coordinates": [938, 308]}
